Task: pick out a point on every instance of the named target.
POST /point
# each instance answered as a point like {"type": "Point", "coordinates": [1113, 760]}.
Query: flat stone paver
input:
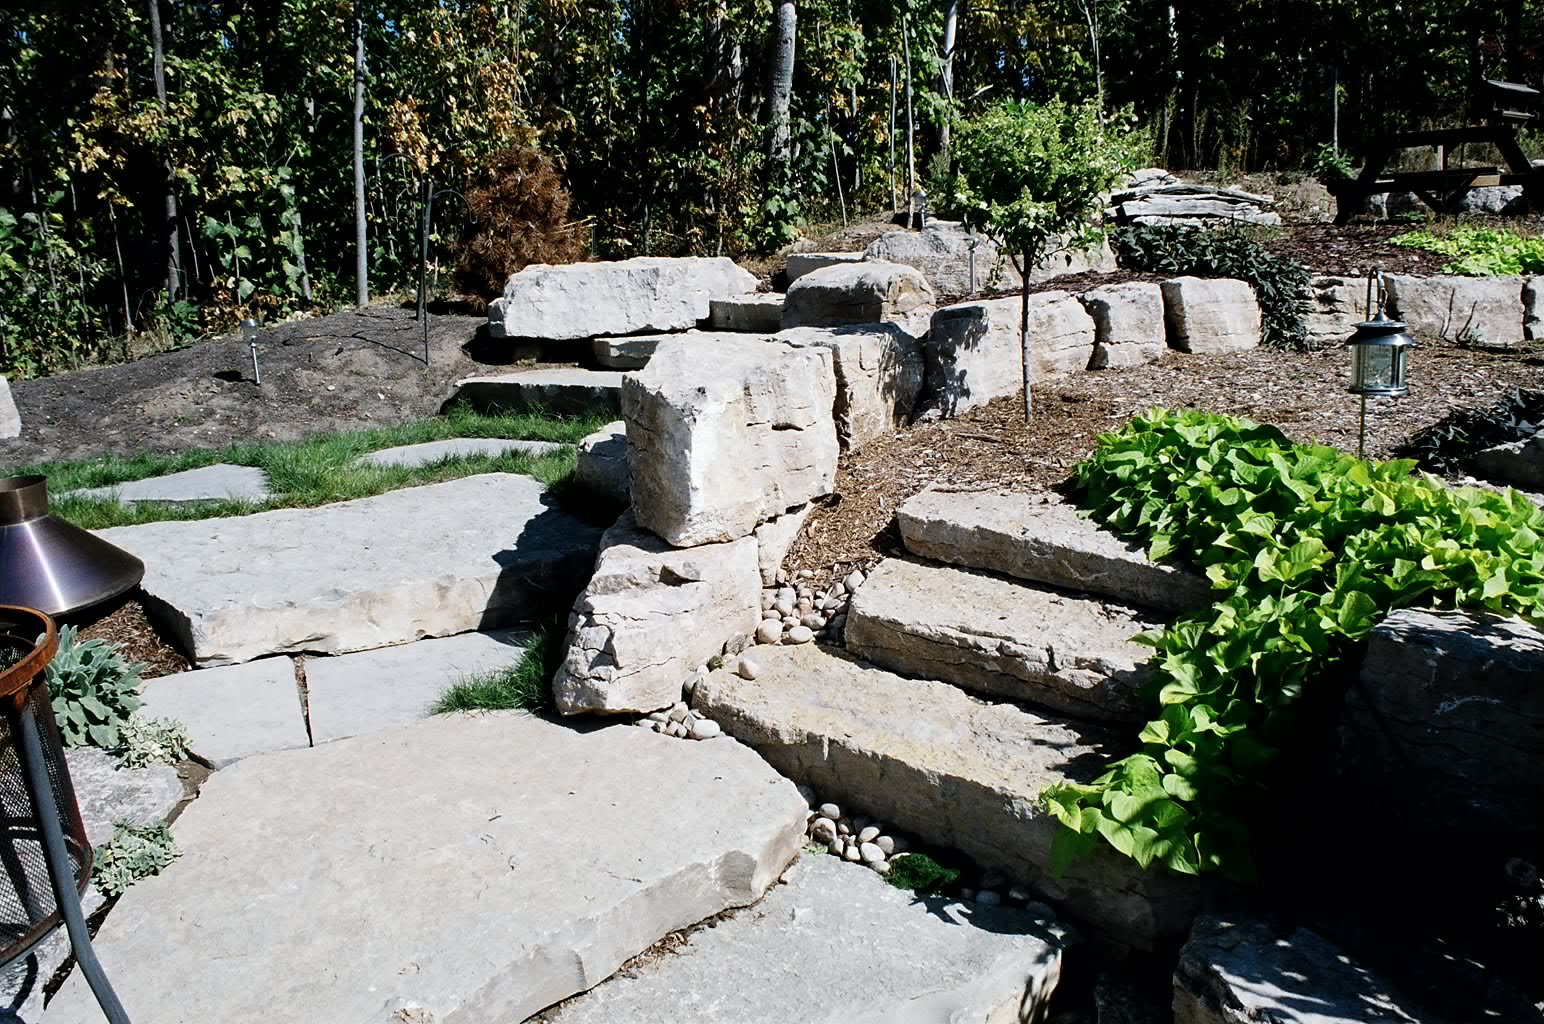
{"type": "Point", "coordinates": [471, 868]}
{"type": "Point", "coordinates": [108, 793]}
{"type": "Point", "coordinates": [233, 712]}
{"type": "Point", "coordinates": [563, 390]}
{"type": "Point", "coordinates": [354, 694]}
{"type": "Point", "coordinates": [207, 483]}
{"type": "Point", "coordinates": [475, 553]}
{"type": "Point", "coordinates": [836, 942]}
{"type": "Point", "coordinates": [411, 455]}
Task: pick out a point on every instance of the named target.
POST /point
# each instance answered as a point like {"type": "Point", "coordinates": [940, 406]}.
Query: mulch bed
{"type": "Point", "coordinates": [126, 624]}
{"type": "Point", "coordinates": [1353, 249]}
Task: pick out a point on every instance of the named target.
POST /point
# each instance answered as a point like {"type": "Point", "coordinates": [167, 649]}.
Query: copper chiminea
{"type": "Point", "coordinates": [49, 564]}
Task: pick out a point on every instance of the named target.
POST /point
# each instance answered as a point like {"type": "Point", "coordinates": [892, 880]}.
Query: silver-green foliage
{"type": "Point", "coordinates": [94, 690]}
{"type": "Point", "coordinates": [151, 741]}
{"type": "Point", "coordinates": [134, 852]}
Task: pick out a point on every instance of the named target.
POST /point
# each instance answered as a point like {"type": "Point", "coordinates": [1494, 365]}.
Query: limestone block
{"type": "Point", "coordinates": [1128, 324]}
{"type": "Point", "coordinates": [602, 463]}
{"type": "Point", "coordinates": [1335, 306]}
{"type": "Point", "coordinates": [430, 452]}
{"type": "Point", "coordinates": [1211, 315]}
{"type": "Point", "coordinates": [10, 419]}
{"type": "Point", "coordinates": [109, 793]}
{"type": "Point", "coordinates": [235, 711]}
{"type": "Point", "coordinates": [774, 539]}
{"type": "Point", "coordinates": [1060, 336]}
{"type": "Point", "coordinates": [870, 292]}
{"type": "Point", "coordinates": [801, 263]}
{"type": "Point", "coordinates": [942, 252]}
{"type": "Point", "coordinates": [1533, 309]}
{"type": "Point", "coordinates": [972, 356]}
{"type": "Point", "coordinates": [629, 353]}
{"type": "Point", "coordinates": [221, 481]}
{"type": "Point", "coordinates": [715, 450]}
{"type": "Point", "coordinates": [1062, 264]}
{"type": "Point", "coordinates": [565, 390]}
{"type": "Point", "coordinates": [878, 377]}
{"type": "Point", "coordinates": [1485, 311]}
{"type": "Point", "coordinates": [762, 313]}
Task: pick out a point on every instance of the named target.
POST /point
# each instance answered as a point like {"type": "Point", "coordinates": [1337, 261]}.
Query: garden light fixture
{"type": "Point", "coordinates": [1378, 353]}
{"type": "Point", "coordinates": [249, 332]}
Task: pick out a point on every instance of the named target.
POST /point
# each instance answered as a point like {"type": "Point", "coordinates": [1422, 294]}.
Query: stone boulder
{"type": "Point", "coordinates": [1128, 324]}
{"type": "Point", "coordinates": [651, 616]}
{"type": "Point", "coordinates": [1447, 720]}
{"type": "Point", "coordinates": [602, 463]}
{"type": "Point", "coordinates": [717, 449]}
{"type": "Point", "coordinates": [1100, 258]}
{"type": "Point", "coordinates": [774, 539]}
{"type": "Point", "coordinates": [646, 293]}
{"type": "Point", "coordinates": [1206, 316]}
{"type": "Point", "coordinates": [1335, 306]}
{"type": "Point", "coordinates": [10, 419]}
{"type": "Point", "coordinates": [870, 292]}
{"type": "Point", "coordinates": [972, 356]}
{"type": "Point", "coordinates": [1493, 200]}
{"type": "Point", "coordinates": [942, 251]}
{"type": "Point", "coordinates": [1061, 334]}
{"type": "Point", "coordinates": [1486, 311]}
{"type": "Point", "coordinates": [1520, 463]}
{"type": "Point", "coordinates": [1533, 309]}
{"type": "Point", "coordinates": [762, 313]}
{"type": "Point", "coordinates": [878, 376]}
{"type": "Point", "coordinates": [801, 263]}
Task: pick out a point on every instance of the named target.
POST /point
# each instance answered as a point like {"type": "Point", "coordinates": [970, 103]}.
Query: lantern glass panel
{"type": "Point", "coordinates": [1375, 368]}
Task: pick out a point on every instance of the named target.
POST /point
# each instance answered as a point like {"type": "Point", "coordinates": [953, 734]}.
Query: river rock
{"type": "Point", "coordinates": [870, 292]}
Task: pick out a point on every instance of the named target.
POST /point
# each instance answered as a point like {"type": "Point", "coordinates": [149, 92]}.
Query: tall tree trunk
{"type": "Point", "coordinates": [780, 88]}
{"type": "Point", "coordinates": [1090, 10]}
{"type": "Point", "coordinates": [169, 178]}
{"type": "Point", "coordinates": [946, 74]}
{"type": "Point", "coordinates": [1021, 264]}
{"type": "Point", "coordinates": [361, 240]}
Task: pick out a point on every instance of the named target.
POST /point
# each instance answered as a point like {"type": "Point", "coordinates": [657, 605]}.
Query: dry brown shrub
{"type": "Point", "coordinates": [517, 212]}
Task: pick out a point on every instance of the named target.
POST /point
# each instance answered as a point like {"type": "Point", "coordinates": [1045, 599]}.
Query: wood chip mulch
{"type": "Point", "coordinates": [1351, 250]}
{"type": "Point", "coordinates": [127, 625]}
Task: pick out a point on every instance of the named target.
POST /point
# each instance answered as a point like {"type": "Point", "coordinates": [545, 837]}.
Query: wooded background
{"type": "Point", "coordinates": [172, 165]}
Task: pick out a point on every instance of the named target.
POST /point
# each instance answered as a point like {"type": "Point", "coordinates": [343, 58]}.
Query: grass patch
{"type": "Point", "coordinates": [523, 686]}
{"type": "Point", "coordinates": [920, 873]}
{"type": "Point", "coordinates": [320, 470]}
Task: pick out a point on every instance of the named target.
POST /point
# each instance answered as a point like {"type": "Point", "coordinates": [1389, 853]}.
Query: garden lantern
{"type": "Point", "coordinates": [1379, 351]}
{"type": "Point", "coordinates": [249, 332]}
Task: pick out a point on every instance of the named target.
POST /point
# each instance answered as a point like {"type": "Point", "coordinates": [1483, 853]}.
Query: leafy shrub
{"type": "Point", "coordinates": [1280, 284]}
{"type": "Point", "coordinates": [1480, 252]}
{"type": "Point", "coordinates": [93, 690]}
{"type": "Point", "coordinates": [149, 741]}
{"type": "Point", "coordinates": [920, 873]}
{"type": "Point", "coordinates": [518, 212]}
{"type": "Point", "coordinates": [134, 852]}
{"type": "Point", "coordinates": [1330, 165]}
{"type": "Point", "coordinates": [1306, 548]}
{"type": "Point", "coordinates": [1448, 445]}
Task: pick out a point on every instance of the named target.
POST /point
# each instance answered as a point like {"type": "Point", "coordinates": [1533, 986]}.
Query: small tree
{"type": "Point", "coordinates": [1030, 178]}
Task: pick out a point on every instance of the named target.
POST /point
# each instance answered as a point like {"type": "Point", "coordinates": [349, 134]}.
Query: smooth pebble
{"type": "Point", "coordinates": [831, 811]}
{"type": "Point", "coordinates": [868, 834]}
{"type": "Point", "coordinates": [800, 635]}
{"type": "Point", "coordinates": [747, 669]}
{"type": "Point", "coordinates": [870, 853]}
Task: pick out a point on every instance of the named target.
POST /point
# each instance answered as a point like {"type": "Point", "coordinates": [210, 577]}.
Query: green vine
{"type": "Point", "coordinates": [1307, 549]}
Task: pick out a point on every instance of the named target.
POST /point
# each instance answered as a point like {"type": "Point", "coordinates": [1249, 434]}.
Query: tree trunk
{"type": "Point", "coordinates": [946, 74]}
{"type": "Point", "coordinates": [780, 88]}
{"type": "Point", "coordinates": [361, 240]}
{"type": "Point", "coordinates": [169, 178]}
{"type": "Point", "coordinates": [1091, 19]}
{"type": "Point", "coordinates": [911, 131]}
{"type": "Point", "coordinates": [1021, 264]}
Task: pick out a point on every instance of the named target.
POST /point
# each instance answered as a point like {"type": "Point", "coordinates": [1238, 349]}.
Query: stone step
{"type": "Point", "coordinates": [472, 867]}
{"type": "Point", "coordinates": [564, 390]}
{"type": "Point", "coordinates": [1004, 639]}
{"type": "Point", "coordinates": [235, 711]}
{"type": "Point", "coordinates": [836, 942]}
{"type": "Point", "coordinates": [801, 263]}
{"type": "Point", "coordinates": [930, 759]}
{"type": "Point", "coordinates": [473, 553]}
{"type": "Point", "coordinates": [1041, 538]}
{"type": "Point", "coordinates": [413, 455]}
{"type": "Point", "coordinates": [763, 313]}
{"type": "Point", "coordinates": [221, 481]}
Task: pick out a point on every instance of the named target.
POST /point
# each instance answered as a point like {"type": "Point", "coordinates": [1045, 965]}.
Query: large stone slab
{"type": "Point", "coordinates": [714, 454]}
{"type": "Point", "coordinates": [933, 760]}
{"type": "Point", "coordinates": [411, 455]}
{"type": "Point", "coordinates": [801, 263]}
{"type": "Point", "coordinates": [565, 390]}
{"type": "Point", "coordinates": [221, 481]}
{"type": "Point", "coordinates": [795, 957]}
{"type": "Point", "coordinates": [878, 377]}
{"type": "Point", "coordinates": [972, 356]}
{"type": "Point", "coordinates": [445, 558]}
{"type": "Point", "coordinates": [1128, 324]}
{"type": "Point", "coordinates": [651, 616]}
{"type": "Point", "coordinates": [761, 313]}
{"type": "Point", "coordinates": [1044, 539]}
{"type": "Point", "coordinates": [1061, 334]}
{"type": "Point", "coordinates": [646, 293]}
{"type": "Point", "coordinates": [233, 712]}
{"type": "Point", "coordinates": [1447, 720]}
{"type": "Point", "coordinates": [467, 868]}
{"type": "Point", "coordinates": [999, 638]}
{"type": "Point", "coordinates": [602, 463]}
{"type": "Point", "coordinates": [954, 261]}
{"type": "Point", "coordinates": [109, 793]}
{"type": "Point", "coordinates": [870, 292]}
{"type": "Point", "coordinates": [629, 353]}
{"type": "Point", "coordinates": [355, 694]}
{"type": "Point", "coordinates": [10, 418]}
{"type": "Point", "coordinates": [1469, 310]}
{"type": "Point", "coordinates": [1207, 316]}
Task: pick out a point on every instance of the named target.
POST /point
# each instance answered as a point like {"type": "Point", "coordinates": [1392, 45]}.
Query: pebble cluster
{"type": "Point", "coordinates": [682, 722]}
{"type": "Point", "coordinates": [795, 613]}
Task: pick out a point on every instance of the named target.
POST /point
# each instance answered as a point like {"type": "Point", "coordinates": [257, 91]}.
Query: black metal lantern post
{"type": "Point", "coordinates": [1379, 355]}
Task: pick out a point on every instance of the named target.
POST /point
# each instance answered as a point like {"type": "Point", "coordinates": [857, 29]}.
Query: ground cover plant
{"type": "Point", "coordinates": [134, 852]}
{"type": "Point", "coordinates": [1307, 548]}
{"type": "Point", "coordinates": [1480, 252]}
{"type": "Point", "coordinates": [93, 689]}
{"type": "Point", "coordinates": [319, 470]}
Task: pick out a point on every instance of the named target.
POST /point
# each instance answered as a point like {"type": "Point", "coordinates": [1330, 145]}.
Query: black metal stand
{"type": "Point", "coordinates": [59, 871]}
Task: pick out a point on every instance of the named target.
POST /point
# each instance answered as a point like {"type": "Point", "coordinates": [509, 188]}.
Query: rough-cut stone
{"type": "Point", "coordinates": [1447, 720]}
{"type": "Point", "coordinates": [942, 251]}
{"type": "Point", "coordinates": [109, 793]}
{"type": "Point", "coordinates": [583, 300]}
{"type": "Point", "coordinates": [774, 538]}
{"type": "Point", "coordinates": [1335, 306]}
{"type": "Point", "coordinates": [1469, 310]}
{"type": "Point", "coordinates": [801, 263]}
{"type": "Point", "coordinates": [354, 694]}
{"type": "Point", "coordinates": [602, 463]}
{"type": "Point", "coordinates": [763, 313]}
{"type": "Point", "coordinates": [233, 712]}
{"type": "Point", "coordinates": [972, 356]}
{"type": "Point", "coordinates": [870, 292]}
{"type": "Point", "coordinates": [1128, 324]}
{"type": "Point", "coordinates": [1211, 315]}
{"type": "Point", "coordinates": [1518, 463]}
{"type": "Point", "coordinates": [1044, 540]}
{"type": "Point", "coordinates": [411, 455]}
{"type": "Point", "coordinates": [1245, 971]}
{"type": "Point", "coordinates": [713, 455]}
{"type": "Point", "coordinates": [630, 353]}
{"type": "Point", "coordinates": [1061, 334]}
{"type": "Point", "coordinates": [1533, 309]}
{"type": "Point", "coordinates": [417, 562]}
{"type": "Point", "coordinates": [221, 481]}
{"type": "Point", "coordinates": [921, 960]}
{"type": "Point", "coordinates": [1003, 639]}
{"type": "Point", "coordinates": [650, 616]}
{"type": "Point", "coordinates": [927, 758]}
{"type": "Point", "coordinates": [1099, 259]}
{"type": "Point", "coordinates": [563, 390]}
{"type": "Point", "coordinates": [10, 418]}
{"type": "Point", "coordinates": [464, 868]}
{"type": "Point", "coordinates": [878, 377]}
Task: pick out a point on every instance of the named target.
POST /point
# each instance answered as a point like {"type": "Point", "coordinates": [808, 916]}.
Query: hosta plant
{"type": "Point", "coordinates": [94, 690]}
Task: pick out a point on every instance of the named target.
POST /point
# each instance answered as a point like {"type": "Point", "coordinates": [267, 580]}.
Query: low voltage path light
{"type": "Point", "coordinates": [249, 332]}
{"type": "Point", "coordinates": [1379, 351]}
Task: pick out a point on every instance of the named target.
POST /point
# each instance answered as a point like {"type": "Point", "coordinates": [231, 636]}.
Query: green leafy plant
{"type": "Point", "coordinates": [1306, 548]}
{"type": "Point", "coordinates": [1330, 164]}
{"type": "Point", "coordinates": [94, 690]}
{"type": "Point", "coordinates": [1280, 284]}
{"type": "Point", "coordinates": [1480, 252]}
{"type": "Point", "coordinates": [134, 852]}
{"type": "Point", "coordinates": [919, 872]}
{"type": "Point", "coordinates": [150, 741]}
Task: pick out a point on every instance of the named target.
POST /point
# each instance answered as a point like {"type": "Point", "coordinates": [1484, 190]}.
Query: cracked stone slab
{"type": "Point", "coordinates": [207, 483]}
{"type": "Point", "coordinates": [565, 390]}
{"type": "Point", "coordinates": [475, 553]}
{"type": "Point", "coordinates": [1003, 639]}
{"type": "Point", "coordinates": [411, 455]}
{"type": "Point", "coordinates": [233, 712]}
{"type": "Point", "coordinates": [471, 868]}
{"type": "Point", "coordinates": [836, 942]}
